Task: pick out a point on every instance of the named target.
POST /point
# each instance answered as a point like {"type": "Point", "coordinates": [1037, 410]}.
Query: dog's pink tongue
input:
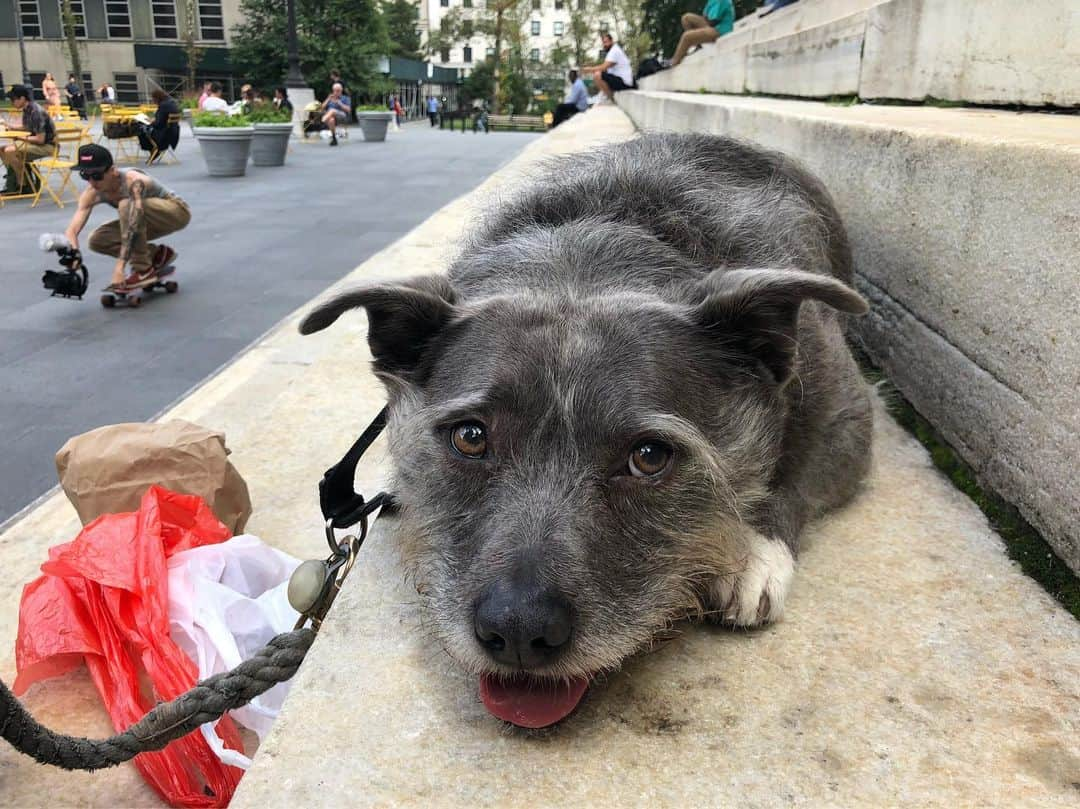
{"type": "Point", "coordinates": [529, 702]}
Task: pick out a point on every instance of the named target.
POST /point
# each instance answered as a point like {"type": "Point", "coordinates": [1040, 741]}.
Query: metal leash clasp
{"type": "Point", "coordinates": [315, 583]}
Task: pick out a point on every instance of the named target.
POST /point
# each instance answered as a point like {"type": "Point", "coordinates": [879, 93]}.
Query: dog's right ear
{"type": "Point", "coordinates": [403, 319]}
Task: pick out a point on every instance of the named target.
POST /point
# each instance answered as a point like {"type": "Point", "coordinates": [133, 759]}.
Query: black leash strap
{"type": "Point", "coordinates": [342, 506]}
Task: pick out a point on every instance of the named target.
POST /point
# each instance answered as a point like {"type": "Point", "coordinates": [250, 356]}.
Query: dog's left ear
{"type": "Point", "coordinates": [757, 311]}
{"type": "Point", "coordinates": [403, 319]}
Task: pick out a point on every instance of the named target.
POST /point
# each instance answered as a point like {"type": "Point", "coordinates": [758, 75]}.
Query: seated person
{"type": "Point", "coordinates": [214, 102]}
{"type": "Point", "coordinates": [281, 100]}
{"type": "Point", "coordinates": [715, 20]}
{"type": "Point", "coordinates": [161, 133]}
{"type": "Point", "coordinates": [21, 179]}
{"type": "Point", "coordinates": [147, 210]}
{"type": "Point", "coordinates": [577, 100]}
{"type": "Point", "coordinates": [336, 110]}
{"type": "Point", "coordinates": [614, 73]}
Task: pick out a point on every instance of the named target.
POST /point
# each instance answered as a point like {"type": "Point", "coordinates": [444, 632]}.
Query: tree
{"type": "Point", "coordinates": [347, 35]}
{"type": "Point", "coordinates": [400, 16]}
{"type": "Point", "coordinates": [480, 84]}
{"type": "Point", "coordinates": [67, 17]}
{"type": "Point", "coordinates": [193, 54]}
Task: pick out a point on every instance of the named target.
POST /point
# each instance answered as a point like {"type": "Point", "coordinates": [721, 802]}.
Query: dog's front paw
{"type": "Point", "coordinates": [755, 594]}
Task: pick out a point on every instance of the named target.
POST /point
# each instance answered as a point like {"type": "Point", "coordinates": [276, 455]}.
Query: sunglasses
{"type": "Point", "coordinates": [92, 175]}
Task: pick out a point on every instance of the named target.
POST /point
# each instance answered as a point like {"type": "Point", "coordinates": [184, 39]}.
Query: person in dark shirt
{"type": "Point", "coordinates": [161, 133]}
{"type": "Point", "coordinates": [281, 100]}
{"type": "Point", "coordinates": [76, 98]}
{"type": "Point", "coordinates": [39, 143]}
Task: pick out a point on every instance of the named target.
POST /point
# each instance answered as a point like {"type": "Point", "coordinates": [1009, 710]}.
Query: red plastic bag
{"type": "Point", "coordinates": [103, 599]}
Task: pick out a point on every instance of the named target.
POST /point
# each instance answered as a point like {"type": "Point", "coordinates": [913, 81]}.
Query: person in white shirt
{"type": "Point", "coordinates": [614, 73]}
{"type": "Point", "coordinates": [214, 102]}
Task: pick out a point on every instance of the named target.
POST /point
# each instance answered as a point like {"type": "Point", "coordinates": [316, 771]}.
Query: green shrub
{"type": "Point", "coordinates": [214, 119]}
{"type": "Point", "coordinates": [268, 114]}
{"type": "Point", "coordinates": [372, 108]}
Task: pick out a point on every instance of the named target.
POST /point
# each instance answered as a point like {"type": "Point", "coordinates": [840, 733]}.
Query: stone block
{"type": "Point", "coordinates": [990, 52]}
{"type": "Point", "coordinates": [968, 222]}
{"type": "Point", "coordinates": [818, 62]}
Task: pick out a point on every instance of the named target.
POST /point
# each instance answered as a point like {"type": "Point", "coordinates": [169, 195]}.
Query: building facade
{"type": "Point", "coordinates": [125, 42]}
{"type": "Point", "coordinates": [546, 26]}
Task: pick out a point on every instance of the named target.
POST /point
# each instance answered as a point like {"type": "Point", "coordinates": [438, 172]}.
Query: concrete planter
{"type": "Point", "coordinates": [225, 149]}
{"type": "Point", "coordinates": [373, 124]}
{"type": "Point", "coordinates": [270, 143]}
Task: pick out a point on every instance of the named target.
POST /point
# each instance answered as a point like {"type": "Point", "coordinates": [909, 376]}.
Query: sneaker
{"type": "Point", "coordinates": [163, 257]}
{"type": "Point", "coordinates": [138, 277]}
{"type": "Point", "coordinates": [333, 141]}
{"type": "Point", "coordinates": [121, 287]}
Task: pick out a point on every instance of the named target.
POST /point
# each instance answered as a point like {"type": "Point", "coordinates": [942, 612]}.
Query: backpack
{"type": "Point", "coordinates": [647, 68]}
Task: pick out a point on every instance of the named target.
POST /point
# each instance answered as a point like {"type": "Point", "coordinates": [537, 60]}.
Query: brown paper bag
{"type": "Point", "coordinates": [107, 470]}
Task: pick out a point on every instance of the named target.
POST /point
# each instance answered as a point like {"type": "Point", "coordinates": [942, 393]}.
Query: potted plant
{"type": "Point", "coordinates": [373, 121]}
{"type": "Point", "coordinates": [189, 105]}
{"type": "Point", "coordinates": [225, 141]}
{"type": "Point", "coordinates": [272, 130]}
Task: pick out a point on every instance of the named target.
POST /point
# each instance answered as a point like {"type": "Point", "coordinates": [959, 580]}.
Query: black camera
{"type": "Point", "coordinates": [72, 281]}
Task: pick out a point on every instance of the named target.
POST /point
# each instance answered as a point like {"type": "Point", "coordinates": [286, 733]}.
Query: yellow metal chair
{"type": "Point", "coordinates": [166, 156]}
{"type": "Point", "coordinates": [68, 140]}
{"type": "Point", "coordinates": [125, 149]}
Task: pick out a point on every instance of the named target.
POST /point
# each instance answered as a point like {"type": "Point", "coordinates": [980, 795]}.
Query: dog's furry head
{"type": "Point", "coordinates": [584, 409]}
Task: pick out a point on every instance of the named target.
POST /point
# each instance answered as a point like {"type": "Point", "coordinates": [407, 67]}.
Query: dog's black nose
{"type": "Point", "coordinates": [525, 627]}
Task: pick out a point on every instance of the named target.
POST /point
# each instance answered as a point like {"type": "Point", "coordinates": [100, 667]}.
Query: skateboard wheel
{"type": "Point", "coordinates": [134, 300]}
{"type": "Point", "coordinates": [171, 286]}
{"type": "Point", "coordinates": [108, 301]}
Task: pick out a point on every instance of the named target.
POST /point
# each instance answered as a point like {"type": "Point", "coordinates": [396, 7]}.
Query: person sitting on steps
{"type": "Point", "coordinates": [715, 20]}
{"type": "Point", "coordinates": [147, 210]}
{"type": "Point", "coordinates": [336, 110]}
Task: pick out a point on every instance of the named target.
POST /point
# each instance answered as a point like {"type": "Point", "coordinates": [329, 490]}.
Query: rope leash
{"type": "Point", "coordinates": [312, 590]}
{"type": "Point", "coordinates": [206, 702]}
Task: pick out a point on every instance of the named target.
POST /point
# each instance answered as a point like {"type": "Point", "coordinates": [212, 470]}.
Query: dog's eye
{"type": "Point", "coordinates": [469, 439]}
{"type": "Point", "coordinates": [649, 458]}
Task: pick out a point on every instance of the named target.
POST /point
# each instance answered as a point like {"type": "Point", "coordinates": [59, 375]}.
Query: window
{"type": "Point", "coordinates": [466, 28]}
{"type": "Point", "coordinates": [559, 5]}
{"type": "Point", "coordinates": [444, 3]}
{"type": "Point", "coordinates": [467, 54]}
{"type": "Point", "coordinates": [534, 55]}
{"type": "Point", "coordinates": [118, 21]}
{"type": "Point", "coordinates": [605, 4]}
{"type": "Point", "coordinates": [127, 87]}
{"type": "Point", "coordinates": [489, 52]}
{"type": "Point", "coordinates": [211, 23]}
{"type": "Point", "coordinates": [164, 12]}
{"type": "Point", "coordinates": [580, 5]}
{"type": "Point", "coordinates": [536, 5]}
{"type": "Point", "coordinates": [558, 28]}
{"type": "Point", "coordinates": [35, 85]}
{"type": "Point", "coordinates": [536, 28]}
{"type": "Point", "coordinates": [444, 55]}
{"type": "Point", "coordinates": [466, 3]}
{"type": "Point", "coordinates": [29, 18]}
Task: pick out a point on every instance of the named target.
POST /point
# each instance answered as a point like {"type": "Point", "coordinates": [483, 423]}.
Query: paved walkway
{"type": "Point", "coordinates": [257, 247]}
{"type": "Point", "coordinates": [917, 666]}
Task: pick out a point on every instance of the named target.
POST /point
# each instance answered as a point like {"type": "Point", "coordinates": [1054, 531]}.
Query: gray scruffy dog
{"type": "Point", "coordinates": [619, 409]}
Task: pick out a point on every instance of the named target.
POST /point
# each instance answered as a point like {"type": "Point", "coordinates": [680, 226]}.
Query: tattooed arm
{"type": "Point", "coordinates": [134, 222]}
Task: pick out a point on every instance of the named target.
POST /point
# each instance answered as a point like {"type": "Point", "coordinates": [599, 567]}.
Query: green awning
{"type": "Point", "coordinates": [173, 58]}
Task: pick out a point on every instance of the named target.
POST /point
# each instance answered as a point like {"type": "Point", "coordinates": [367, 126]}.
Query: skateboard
{"type": "Point", "coordinates": [133, 296]}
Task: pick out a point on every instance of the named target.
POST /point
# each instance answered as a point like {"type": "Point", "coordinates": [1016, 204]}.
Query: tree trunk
{"type": "Point", "coordinates": [67, 16]}
{"type": "Point", "coordinates": [499, 11]}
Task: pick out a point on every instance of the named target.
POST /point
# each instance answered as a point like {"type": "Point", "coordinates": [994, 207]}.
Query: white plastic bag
{"type": "Point", "coordinates": [226, 601]}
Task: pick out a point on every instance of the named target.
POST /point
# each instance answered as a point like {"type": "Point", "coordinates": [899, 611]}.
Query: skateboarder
{"type": "Point", "coordinates": [147, 210]}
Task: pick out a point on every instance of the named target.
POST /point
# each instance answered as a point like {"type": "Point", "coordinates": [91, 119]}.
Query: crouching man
{"type": "Point", "coordinates": [147, 210]}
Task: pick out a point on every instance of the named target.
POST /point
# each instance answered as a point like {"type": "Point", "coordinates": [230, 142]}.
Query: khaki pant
{"type": "Point", "coordinates": [160, 218]}
{"type": "Point", "coordinates": [696, 31]}
{"type": "Point", "coordinates": [17, 158]}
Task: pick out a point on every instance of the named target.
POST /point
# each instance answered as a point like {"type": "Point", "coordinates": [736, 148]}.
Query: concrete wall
{"type": "Point", "coordinates": [991, 52]}
{"type": "Point", "coordinates": [966, 232]}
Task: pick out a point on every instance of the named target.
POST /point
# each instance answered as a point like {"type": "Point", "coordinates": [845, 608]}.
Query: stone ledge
{"type": "Point", "coordinates": [917, 665]}
{"type": "Point", "coordinates": [967, 219]}
{"type": "Point", "coordinates": [954, 50]}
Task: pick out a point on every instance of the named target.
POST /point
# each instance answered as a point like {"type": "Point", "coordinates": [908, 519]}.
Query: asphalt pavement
{"type": "Point", "coordinates": [257, 247]}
